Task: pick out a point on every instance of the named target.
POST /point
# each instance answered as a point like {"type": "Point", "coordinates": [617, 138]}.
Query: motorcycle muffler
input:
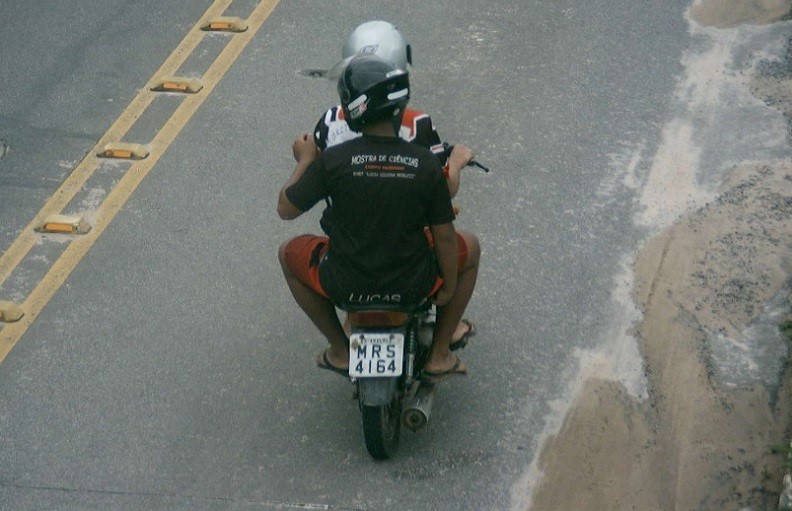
{"type": "Point", "coordinates": [416, 415]}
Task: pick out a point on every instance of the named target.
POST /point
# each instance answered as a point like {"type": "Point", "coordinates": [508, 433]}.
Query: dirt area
{"type": "Point", "coordinates": [725, 13]}
{"type": "Point", "coordinates": [694, 443]}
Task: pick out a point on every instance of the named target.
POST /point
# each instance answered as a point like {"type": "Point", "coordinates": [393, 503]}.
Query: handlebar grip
{"type": "Point", "coordinates": [448, 148]}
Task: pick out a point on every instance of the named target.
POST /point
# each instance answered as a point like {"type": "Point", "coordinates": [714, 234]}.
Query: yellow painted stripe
{"type": "Point", "coordinates": [60, 270]}
{"type": "Point", "coordinates": [78, 177]}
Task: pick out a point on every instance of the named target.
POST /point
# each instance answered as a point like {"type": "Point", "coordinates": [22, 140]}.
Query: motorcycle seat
{"type": "Point", "coordinates": [408, 308]}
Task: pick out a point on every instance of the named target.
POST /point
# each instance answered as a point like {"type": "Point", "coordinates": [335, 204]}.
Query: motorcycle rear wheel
{"type": "Point", "coordinates": [381, 428]}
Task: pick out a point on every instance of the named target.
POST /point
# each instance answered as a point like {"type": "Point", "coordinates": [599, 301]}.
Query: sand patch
{"type": "Point", "coordinates": [693, 444]}
{"type": "Point", "coordinates": [726, 13]}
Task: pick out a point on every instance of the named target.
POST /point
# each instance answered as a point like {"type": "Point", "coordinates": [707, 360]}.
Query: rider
{"type": "Point", "coordinates": [384, 40]}
{"type": "Point", "coordinates": [384, 191]}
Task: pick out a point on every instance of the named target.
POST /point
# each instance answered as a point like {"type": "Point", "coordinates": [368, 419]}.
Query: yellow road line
{"type": "Point", "coordinates": [71, 256]}
{"type": "Point", "coordinates": [78, 177]}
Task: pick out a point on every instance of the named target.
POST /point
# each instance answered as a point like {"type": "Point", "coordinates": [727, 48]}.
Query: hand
{"type": "Point", "coordinates": [460, 156]}
{"type": "Point", "coordinates": [304, 148]}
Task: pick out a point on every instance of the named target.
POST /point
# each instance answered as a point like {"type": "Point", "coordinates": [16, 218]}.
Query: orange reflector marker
{"type": "Point", "coordinates": [10, 312]}
{"type": "Point", "coordinates": [124, 150]}
{"type": "Point", "coordinates": [177, 84]}
{"type": "Point", "coordinates": [173, 86]}
{"type": "Point", "coordinates": [226, 24]}
{"type": "Point", "coordinates": [64, 224]}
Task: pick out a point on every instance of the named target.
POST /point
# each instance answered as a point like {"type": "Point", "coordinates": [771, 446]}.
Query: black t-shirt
{"type": "Point", "coordinates": [416, 126]}
{"type": "Point", "coordinates": [384, 191]}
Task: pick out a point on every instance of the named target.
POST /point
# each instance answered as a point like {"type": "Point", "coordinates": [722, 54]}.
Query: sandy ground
{"type": "Point", "coordinates": [694, 443]}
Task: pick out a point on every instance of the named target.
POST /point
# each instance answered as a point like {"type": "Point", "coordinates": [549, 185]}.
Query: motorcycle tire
{"type": "Point", "coordinates": [381, 428]}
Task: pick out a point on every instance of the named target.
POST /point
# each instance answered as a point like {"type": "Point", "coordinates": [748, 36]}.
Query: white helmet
{"type": "Point", "coordinates": [378, 38]}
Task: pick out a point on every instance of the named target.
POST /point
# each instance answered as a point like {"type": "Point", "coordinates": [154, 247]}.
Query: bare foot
{"type": "Point", "coordinates": [464, 331]}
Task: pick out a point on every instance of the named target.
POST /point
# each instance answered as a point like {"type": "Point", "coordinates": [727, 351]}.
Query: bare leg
{"type": "Point", "coordinates": [449, 316]}
{"type": "Point", "coordinates": [322, 313]}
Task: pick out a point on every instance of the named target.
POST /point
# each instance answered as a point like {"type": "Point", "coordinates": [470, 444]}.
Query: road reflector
{"type": "Point", "coordinates": [226, 24]}
{"type": "Point", "coordinates": [10, 312]}
{"type": "Point", "coordinates": [124, 150]}
{"type": "Point", "coordinates": [64, 224]}
{"type": "Point", "coordinates": [178, 84]}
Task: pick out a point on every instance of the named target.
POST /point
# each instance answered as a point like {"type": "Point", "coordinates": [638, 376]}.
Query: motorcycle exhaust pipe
{"type": "Point", "coordinates": [416, 415]}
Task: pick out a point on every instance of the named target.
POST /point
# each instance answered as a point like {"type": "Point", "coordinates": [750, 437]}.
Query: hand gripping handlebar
{"type": "Point", "coordinates": [472, 163]}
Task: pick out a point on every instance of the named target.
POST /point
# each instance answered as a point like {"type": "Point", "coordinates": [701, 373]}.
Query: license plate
{"type": "Point", "coordinates": [376, 354]}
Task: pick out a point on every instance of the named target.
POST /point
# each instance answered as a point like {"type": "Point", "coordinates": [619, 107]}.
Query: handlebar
{"type": "Point", "coordinates": [472, 163]}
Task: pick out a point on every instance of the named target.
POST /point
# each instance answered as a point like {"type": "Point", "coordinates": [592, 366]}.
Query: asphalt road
{"type": "Point", "coordinates": [171, 369]}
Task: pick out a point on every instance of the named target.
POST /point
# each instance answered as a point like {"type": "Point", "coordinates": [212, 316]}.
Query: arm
{"type": "Point", "coordinates": [447, 257]}
{"type": "Point", "coordinates": [304, 150]}
{"type": "Point", "coordinates": [425, 134]}
{"type": "Point", "coordinates": [459, 158]}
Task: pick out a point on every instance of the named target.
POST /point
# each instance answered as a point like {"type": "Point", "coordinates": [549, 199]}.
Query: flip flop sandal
{"type": "Point", "coordinates": [458, 369]}
{"type": "Point", "coordinates": [462, 341]}
{"type": "Point", "coordinates": [325, 364]}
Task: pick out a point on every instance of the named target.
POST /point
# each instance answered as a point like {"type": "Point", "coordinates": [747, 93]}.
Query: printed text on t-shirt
{"type": "Point", "coordinates": [360, 159]}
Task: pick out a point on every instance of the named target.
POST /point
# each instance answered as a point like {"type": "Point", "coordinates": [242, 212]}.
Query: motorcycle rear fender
{"type": "Point", "coordinates": [377, 391]}
{"type": "Point", "coordinates": [378, 318]}
{"type": "Point", "coordinates": [382, 315]}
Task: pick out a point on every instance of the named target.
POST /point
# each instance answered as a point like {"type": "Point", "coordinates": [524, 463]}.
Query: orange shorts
{"type": "Point", "coordinates": [303, 254]}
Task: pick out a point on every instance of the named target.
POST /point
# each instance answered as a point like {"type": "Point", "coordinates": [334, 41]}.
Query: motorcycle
{"type": "Point", "coordinates": [388, 347]}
